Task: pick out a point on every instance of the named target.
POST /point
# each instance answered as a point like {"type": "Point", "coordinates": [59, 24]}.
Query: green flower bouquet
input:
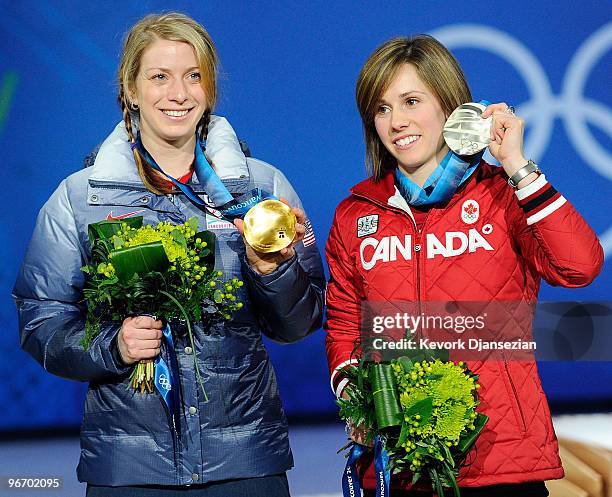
{"type": "Point", "coordinates": [164, 270]}
{"type": "Point", "coordinates": [423, 408]}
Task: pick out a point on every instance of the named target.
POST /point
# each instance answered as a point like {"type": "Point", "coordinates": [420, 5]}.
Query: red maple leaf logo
{"type": "Point", "coordinates": [470, 209]}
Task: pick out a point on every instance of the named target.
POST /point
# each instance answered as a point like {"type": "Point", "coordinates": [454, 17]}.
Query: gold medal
{"type": "Point", "coordinates": [465, 132]}
{"type": "Point", "coordinates": [269, 226]}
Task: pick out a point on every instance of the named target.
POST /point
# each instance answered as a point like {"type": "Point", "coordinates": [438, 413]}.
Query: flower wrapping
{"type": "Point", "coordinates": [423, 408]}
{"type": "Point", "coordinates": [166, 271]}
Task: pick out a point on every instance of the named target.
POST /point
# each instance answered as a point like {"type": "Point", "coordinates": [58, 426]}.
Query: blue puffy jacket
{"type": "Point", "coordinates": [125, 437]}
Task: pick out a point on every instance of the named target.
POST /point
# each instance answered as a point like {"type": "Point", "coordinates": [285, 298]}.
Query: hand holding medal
{"type": "Point", "coordinates": [506, 137]}
{"type": "Point", "coordinates": [271, 229]}
{"type": "Point", "coordinates": [473, 126]}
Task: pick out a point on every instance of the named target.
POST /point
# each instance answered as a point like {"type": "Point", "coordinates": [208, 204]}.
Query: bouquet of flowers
{"type": "Point", "coordinates": [164, 270]}
{"type": "Point", "coordinates": [423, 410]}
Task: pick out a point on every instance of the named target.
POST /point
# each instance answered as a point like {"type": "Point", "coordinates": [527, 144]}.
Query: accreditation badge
{"type": "Point", "coordinates": [214, 218]}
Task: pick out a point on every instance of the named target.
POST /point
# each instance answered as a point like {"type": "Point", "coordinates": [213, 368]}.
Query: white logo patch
{"type": "Point", "coordinates": [367, 225]}
{"type": "Point", "coordinates": [214, 218]}
{"type": "Point", "coordinates": [470, 211]}
{"type": "Point", "coordinates": [216, 223]}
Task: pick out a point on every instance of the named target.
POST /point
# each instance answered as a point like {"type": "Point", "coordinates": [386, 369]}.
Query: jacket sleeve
{"type": "Point", "coordinates": [48, 296]}
{"type": "Point", "coordinates": [343, 306]}
{"type": "Point", "coordinates": [289, 301]}
{"type": "Point", "coordinates": [553, 237]}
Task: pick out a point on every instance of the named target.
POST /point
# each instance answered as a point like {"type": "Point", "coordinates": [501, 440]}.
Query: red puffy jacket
{"type": "Point", "coordinates": [510, 241]}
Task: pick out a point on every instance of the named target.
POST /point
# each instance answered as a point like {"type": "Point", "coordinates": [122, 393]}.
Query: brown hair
{"type": "Point", "coordinates": [435, 66]}
{"type": "Point", "coordinates": [175, 27]}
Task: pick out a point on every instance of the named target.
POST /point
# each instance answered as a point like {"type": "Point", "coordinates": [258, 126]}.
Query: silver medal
{"type": "Point", "coordinates": [465, 132]}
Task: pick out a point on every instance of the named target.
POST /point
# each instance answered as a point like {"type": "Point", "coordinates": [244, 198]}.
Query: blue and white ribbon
{"type": "Point", "coordinates": [350, 479]}
{"type": "Point", "coordinates": [381, 466]}
{"type": "Point", "coordinates": [231, 208]}
{"type": "Point", "coordinates": [166, 376]}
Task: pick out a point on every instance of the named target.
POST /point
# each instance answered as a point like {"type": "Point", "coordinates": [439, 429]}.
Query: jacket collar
{"type": "Point", "coordinates": [377, 191]}
{"type": "Point", "coordinates": [384, 192]}
{"type": "Point", "coordinates": [115, 161]}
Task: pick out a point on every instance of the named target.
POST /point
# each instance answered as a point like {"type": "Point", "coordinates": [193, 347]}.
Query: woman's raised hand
{"type": "Point", "coordinates": [506, 137]}
{"type": "Point", "coordinates": [265, 263]}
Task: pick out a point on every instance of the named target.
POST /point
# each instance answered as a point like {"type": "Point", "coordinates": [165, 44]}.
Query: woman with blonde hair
{"type": "Point", "coordinates": [392, 241]}
{"type": "Point", "coordinates": [154, 164]}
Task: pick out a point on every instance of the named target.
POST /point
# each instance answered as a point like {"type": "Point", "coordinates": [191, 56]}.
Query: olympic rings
{"type": "Point", "coordinates": [571, 106]}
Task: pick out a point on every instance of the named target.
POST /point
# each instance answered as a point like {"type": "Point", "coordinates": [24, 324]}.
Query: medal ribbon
{"type": "Point", "coordinates": [381, 467]}
{"type": "Point", "coordinates": [231, 208]}
{"type": "Point", "coordinates": [441, 184]}
{"type": "Point", "coordinates": [350, 479]}
{"type": "Point", "coordinates": [166, 379]}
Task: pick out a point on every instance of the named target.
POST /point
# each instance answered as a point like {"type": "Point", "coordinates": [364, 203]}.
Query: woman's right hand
{"type": "Point", "coordinates": [357, 434]}
{"type": "Point", "coordinates": [266, 263]}
{"type": "Point", "coordinates": [139, 338]}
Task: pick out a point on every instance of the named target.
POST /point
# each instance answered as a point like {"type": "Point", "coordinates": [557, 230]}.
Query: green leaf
{"type": "Point", "coordinates": [403, 435]}
{"type": "Point", "coordinates": [386, 397]}
{"type": "Point", "coordinates": [106, 229]}
{"type": "Point", "coordinates": [441, 354]}
{"type": "Point", "coordinates": [179, 238]}
{"type": "Point", "coordinates": [448, 456]}
{"type": "Point", "coordinates": [451, 479]}
{"type": "Point", "coordinates": [207, 258]}
{"type": "Point", "coordinates": [406, 364]}
{"type": "Point", "coordinates": [108, 282]}
{"type": "Point", "coordinates": [423, 408]}
{"type": "Point", "coordinates": [118, 242]}
{"type": "Point", "coordinates": [435, 479]}
{"type": "Point", "coordinates": [139, 260]}
{"type": "Point", "coordinates": [193, 223]}
{"type": "Point", "coordinates": [465, 444]}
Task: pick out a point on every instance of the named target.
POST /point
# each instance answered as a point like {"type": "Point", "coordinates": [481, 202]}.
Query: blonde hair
{"type": "Point", "coordinates": [171, 26]}
{"type": "Point", "coordinates": [435, 66]}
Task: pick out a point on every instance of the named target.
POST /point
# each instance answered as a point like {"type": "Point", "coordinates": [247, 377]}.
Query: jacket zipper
{"type": "Point", "coordinates": [418, 262]}
{"type": "Point", "coordinates": [108, 185]}
{"type": "Point", "coordinates": [117, 185]}
{"type": "Point", "coordinates": [417, 233]}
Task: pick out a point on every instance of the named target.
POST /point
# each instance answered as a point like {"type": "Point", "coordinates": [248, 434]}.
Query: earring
{"type": "Point", "coordinates": [133, 106]}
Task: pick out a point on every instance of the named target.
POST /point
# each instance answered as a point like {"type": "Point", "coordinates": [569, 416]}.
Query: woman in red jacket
{"type": "Point", "coordinates": [394, 239]}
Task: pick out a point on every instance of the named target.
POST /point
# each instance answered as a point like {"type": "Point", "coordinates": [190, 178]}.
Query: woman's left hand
{"type": "Point", "coordinates": [266, 263]}
{"type": "Point", "coordinates": [506, 137]}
